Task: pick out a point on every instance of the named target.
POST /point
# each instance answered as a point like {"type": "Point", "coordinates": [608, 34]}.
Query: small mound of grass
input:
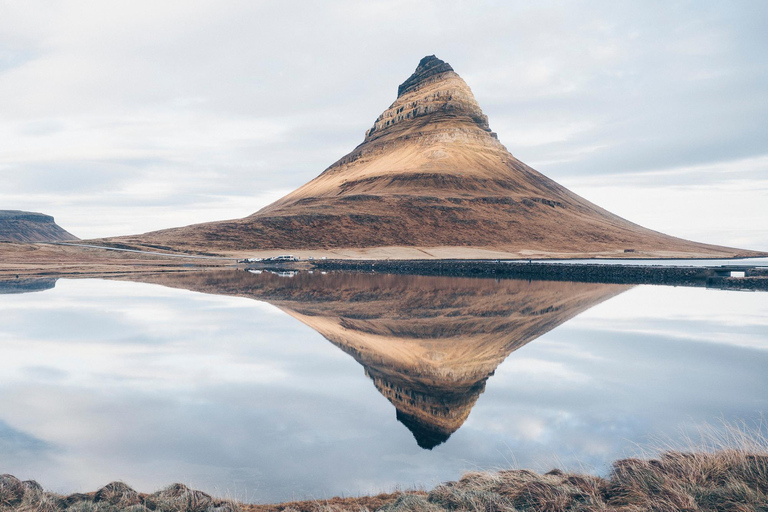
{"type": "Point", "coordinates": [727, 480]}
{"type": "Point", "coordinates": [29, 496]}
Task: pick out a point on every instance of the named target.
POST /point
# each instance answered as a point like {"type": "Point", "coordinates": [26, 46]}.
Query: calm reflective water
{"type": "Point", "coordinates": [267, 388]}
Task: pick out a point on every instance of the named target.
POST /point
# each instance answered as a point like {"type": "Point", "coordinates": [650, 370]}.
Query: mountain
{"type": "Point", "coordinates": [18, 226]}
{"type": "Point", "coordinates": [429, 344]}
{"type": "Point", "coordinates": [429, 174]}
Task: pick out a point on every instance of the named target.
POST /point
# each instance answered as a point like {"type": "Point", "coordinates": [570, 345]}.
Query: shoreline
{"type": "Point", "coordinates": [753, 278]}
{"type": "Point", "coordinates": [77, 259]}
{"type": "Point", "coordinates": [50, 260]}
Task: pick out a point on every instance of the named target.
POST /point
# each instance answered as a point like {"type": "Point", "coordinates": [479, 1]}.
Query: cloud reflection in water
{"type": "Point", "coordinates": [105, 380]}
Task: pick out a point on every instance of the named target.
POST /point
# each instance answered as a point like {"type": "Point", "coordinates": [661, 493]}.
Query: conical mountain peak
{"type": "Point", "coordinates": [433, 98]}
{"type": "Point", "coordinates": [428, 67]}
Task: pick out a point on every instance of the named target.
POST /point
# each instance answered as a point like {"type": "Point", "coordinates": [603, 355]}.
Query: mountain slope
{"type": "Point", "coordinates": [18, 226]}
{"type": "Point", "coordinates": [431, 173]}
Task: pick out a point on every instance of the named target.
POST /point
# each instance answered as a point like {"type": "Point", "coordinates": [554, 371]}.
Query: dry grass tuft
{"type": "Point", "coordinates": [410, 503]}
{"type": "Point", "coordinates": [179, 498]}
{"type": "Point", "coordinates": [29, 496]}
{"type": "Point", "coordinates": [25, 496]}
{"type": "Point", "coordinates": [11, 491]}
{"type": "Point", "coordinates": [117, 494]}
{"type": "Point", "coordinates": [728, 472]}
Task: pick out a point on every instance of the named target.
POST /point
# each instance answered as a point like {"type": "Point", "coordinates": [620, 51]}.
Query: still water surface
{"type": "Point", "coordinates": [268, 388]}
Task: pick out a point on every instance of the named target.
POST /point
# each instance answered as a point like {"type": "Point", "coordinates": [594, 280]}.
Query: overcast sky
{"type": "Point", "coordinates": [124, 117]}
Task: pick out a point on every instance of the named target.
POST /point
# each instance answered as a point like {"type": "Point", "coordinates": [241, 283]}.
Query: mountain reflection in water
{"type": "Point", "coordinates": [150, 384]}
{"type": "Point", "coordinates": [429, 344]}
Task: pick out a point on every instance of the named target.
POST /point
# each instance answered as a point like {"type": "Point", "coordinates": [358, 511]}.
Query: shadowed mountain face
{"type": "Point", "coordinates": [428, 343]}
{"type": "Point", "coordinates": [18, 226]}
{"type": "Point", "coordinates": [430, 173]}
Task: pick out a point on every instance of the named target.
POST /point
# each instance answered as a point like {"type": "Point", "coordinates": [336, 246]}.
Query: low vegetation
{"type": "Point", "coordinates": [29, 496]}
{"type": "Point", "coordinates": [716, 477]}
{"type": "Point", "coordinates": [727, 480]}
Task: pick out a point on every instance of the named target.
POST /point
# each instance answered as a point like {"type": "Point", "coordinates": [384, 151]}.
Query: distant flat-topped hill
{"type": "Point", "coordinates": [430, 174]}
{"type": "Point", "coordinates": [18, 226]}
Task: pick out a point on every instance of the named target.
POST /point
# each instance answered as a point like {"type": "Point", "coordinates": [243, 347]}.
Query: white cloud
{"type": "Point", "coordinates": [192, 106]}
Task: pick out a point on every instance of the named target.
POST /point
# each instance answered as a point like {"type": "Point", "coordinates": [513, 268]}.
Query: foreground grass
{"type": "Point", "coordinates": [725, 480]}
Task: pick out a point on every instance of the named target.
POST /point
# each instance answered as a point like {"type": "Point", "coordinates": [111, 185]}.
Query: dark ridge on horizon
{"type": "Point", "coordinates": [20, 226]}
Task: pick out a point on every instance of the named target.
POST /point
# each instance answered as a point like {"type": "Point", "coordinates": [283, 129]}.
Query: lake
{"type": "Point", "coordinates": [267, 388]}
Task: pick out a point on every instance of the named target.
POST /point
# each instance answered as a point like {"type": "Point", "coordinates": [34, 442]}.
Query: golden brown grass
{"type": "Point", "coordinates": [16, 495]}
{"type": "Point", "coordinates": [727, 480]}
{"type": "Point", "coordinates": [729, 473]}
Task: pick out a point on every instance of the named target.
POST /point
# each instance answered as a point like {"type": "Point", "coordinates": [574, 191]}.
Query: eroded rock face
{"type": "Point", "coordinates": [19, 226]}
{"type": "Point", "coordinates": [433, 90]}
{"type": "Point", "coordinates": [429, 70]}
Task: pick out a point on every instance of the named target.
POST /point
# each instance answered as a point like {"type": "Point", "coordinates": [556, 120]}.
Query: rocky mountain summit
{"type": "Point", "coordinates": [450, 97]}
{"type": "Point", "coordinates": [19, 226]}
{"type": "Point", "coordinates": [431, 174]}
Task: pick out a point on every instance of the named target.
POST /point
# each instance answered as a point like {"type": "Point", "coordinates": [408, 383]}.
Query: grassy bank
{"type": "Point", "coordinates": [725, 480]}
